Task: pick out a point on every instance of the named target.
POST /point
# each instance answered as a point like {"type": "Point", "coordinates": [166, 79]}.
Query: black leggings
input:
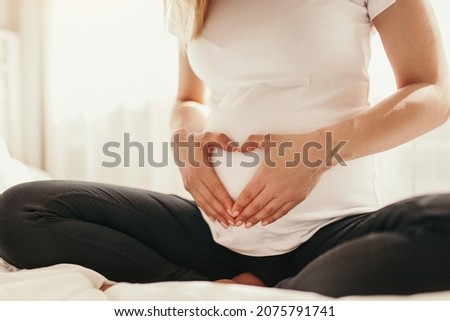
{"type": "Point", "coordinates": [135, 235]}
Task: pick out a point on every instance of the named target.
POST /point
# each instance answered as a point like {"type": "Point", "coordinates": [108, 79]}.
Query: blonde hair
{"type": "Point", "coordinates": [186, 17]}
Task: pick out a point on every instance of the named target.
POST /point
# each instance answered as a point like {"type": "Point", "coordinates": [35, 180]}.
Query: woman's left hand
{"type": "Point", "coordinates": [284, 179]}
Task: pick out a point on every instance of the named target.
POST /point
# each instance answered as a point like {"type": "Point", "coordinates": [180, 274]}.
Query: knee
{"type": "Point", "coordinates": [20, 197]}
{"type": "Point", "coordinates": [429, 207]}
{"type": "Point", "coordinates": [425, 215]}
{"type": "Point", "coordinates": [19, 207]}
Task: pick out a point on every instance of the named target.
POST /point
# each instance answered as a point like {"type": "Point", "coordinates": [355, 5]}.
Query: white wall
{"type": "Point", "coordinates": [9, 14]}
{"type": "Point", "coordinates": [26, 19]}
{"type": "Point", "coordinates": [5, 15]}
{"type": "Point", "coordinates": [419, 167]}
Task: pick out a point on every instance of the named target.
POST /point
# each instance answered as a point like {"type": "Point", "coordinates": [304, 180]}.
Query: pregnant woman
{"type": "Point", "coordinates": [282, 171]}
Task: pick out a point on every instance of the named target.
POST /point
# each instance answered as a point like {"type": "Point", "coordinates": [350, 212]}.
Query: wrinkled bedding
{"type": "Point", "coordinates": [72, 282]}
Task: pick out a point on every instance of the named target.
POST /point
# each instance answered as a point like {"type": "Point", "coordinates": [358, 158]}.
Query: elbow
{"type": "Point", "coordinates": [446, 115]}
{"type": "Point", "coordinates": [437, 100]}
{"type": "Point", "coordinates": [444, 99]}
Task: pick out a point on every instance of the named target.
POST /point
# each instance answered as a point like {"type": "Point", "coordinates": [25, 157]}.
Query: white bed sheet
{"type": "Point", "coordinates": [13, 171]}
{"type": "Point", "coordinates": [65, 282]}
{"type": "Point", "coordinates": [73, 282]}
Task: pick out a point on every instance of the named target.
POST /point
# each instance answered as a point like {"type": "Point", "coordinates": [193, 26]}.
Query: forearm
{"type": "Point", "coordinates": [189, 116]}
{"type": "Point", "coordinates": [190, 147]}
{"type": "Point", "coordinates": [407, 114]}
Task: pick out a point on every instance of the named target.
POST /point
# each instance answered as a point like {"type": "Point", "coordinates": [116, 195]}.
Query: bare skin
{"type": "Point", "coordinates": [410, 36]}
{"type": "Point", "coordinates": [105, 287]}
{"type": "Point", "coordinates": [411, 39]}
{"type": "Point", "coordinates": [243, 278]}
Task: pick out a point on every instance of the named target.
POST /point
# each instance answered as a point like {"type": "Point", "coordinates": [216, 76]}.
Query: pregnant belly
{"type": "Point", "coordinates": [236, 169]}
{"type": "Point", "coordinates": [341, 191]}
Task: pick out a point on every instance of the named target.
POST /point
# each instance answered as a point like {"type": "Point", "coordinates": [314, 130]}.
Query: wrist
{"type": "Point", "coordinates": [181, 132]}
{"type": "Point", "coordinates": [311, 148]}
{"type": "Point", "coordinates": [319, 150]}
{"type": "Point", "coordinates": [327, 148]}
{"type": "Point", "coordinates": [188, 117]}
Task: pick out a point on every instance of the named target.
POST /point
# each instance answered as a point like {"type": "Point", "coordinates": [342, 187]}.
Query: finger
{"type": "Point", "coordinates": [279, 213]}
{"type": "Point", "coordinates": [264, 200]}
{"type": "Point", "coordinates": [220, 140]}
{"type": "Point", "coordinates": [203, 205]}
{"type": "Point", "coordinates": [257, 141]}
{"type": "Point", "coordinates": [217, 191]}
{"type": "Point", "coordinates": [200, 205]}
{"type": "Point", "coordinates": [216, 210]}
{"type": "Point", "coordinates": [209, 209]}
{"type": "Point", "coordinates": [286, 208]}
{"type": "Point", "coordinates": [245, 206]}
{"type": "Point", "coordinates": [267, 210]}
{"type": "Point", "coordinates": [251, 143]}
{"type": "Point", "coordinates": [253, 188]}
{"type": "Point", "coordinates": [215, 202]}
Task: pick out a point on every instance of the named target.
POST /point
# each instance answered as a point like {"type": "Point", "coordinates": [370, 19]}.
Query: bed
{"type": "Point", "coordinates": [73, 282]}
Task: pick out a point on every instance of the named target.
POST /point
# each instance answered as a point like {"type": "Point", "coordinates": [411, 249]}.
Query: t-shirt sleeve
{"type": "Point", "coordinates": [375, 7]}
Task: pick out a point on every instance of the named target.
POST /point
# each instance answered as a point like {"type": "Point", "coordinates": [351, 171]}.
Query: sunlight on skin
{"type": "Point", "coordinates": [105, 287]}
{"type": "Point", "coordinates": [243, 279]}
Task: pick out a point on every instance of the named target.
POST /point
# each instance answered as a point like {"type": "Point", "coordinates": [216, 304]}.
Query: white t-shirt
{"type": "Point", "coordinates": [289, 66]}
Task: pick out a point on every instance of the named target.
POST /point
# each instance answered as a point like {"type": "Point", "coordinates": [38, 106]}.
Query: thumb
{"type": "Point", "coordinates": [253, 142]}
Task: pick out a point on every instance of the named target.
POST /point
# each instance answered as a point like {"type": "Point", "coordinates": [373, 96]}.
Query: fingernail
{"type": "Point", "coordinates": [239, 223]}
{"type": "Point", "coordinates": [264, 223]}
{"type": "Point", "coordinates": [224, 225]}
{"type": "Point", "coordinates": [228, 211]}
{"type": "Point", "coordinates": [248, 224]}
{"type": "Point", "coordinates": [231, 222]}
{"type": "Point", "coordinates": [236, 213]}
{"type": "Point", "coordinates": [211, 219]}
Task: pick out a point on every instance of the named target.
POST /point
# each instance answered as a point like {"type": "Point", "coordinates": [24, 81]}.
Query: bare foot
{"type": "Point", "coordinates": [227, 281]}
{"type": "Point", "coordinates": [248, 279]}
{"type": "Point", "coordinates": [243, 278]}
{"type": "Point", "coordinates": [105, 287]}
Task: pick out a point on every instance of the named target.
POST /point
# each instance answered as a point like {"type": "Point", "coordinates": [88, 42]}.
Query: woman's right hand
{"type": "Point", "coordinates": [192, 153]}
